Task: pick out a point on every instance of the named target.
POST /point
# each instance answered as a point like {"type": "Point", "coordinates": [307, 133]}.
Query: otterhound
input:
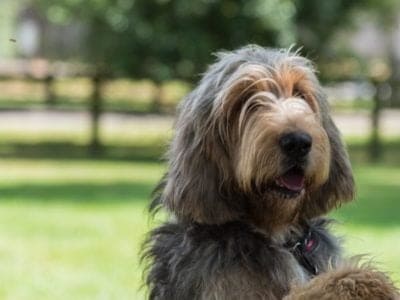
{"type": "Point", "coordinates": [255, 163]}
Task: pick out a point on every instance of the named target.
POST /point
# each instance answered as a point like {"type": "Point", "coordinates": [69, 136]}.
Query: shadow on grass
{"type": "Point", "coordinates": [153, 151]}
{"type": "Point", "coordinates": [113, 192]}
{"type": "Point", "coordinates": [359, 153]}
{"type": "Point", "coordinates": [376, 205]}
{"type": "Point", "coordinates": [59, 150]}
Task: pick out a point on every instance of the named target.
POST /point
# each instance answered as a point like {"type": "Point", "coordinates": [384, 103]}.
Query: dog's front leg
{"type": "Point", "coordinates": [347, 283]}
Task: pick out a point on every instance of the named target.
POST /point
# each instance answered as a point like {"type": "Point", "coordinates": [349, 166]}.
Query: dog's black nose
{"type": "Point", "coordinates": [296, 144]}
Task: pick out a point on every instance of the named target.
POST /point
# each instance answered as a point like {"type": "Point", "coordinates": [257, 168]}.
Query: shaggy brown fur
{"type": "Point", "coordinates": [255, 162]}
{"type": "Point", "coordinates": [346, 283]}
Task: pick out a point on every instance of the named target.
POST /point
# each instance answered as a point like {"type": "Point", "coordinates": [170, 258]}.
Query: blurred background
{"type": "Point", "coordinates": [88, 90]}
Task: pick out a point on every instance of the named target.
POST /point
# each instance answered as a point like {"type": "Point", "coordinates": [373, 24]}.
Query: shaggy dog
{"type": "Point", "coordinates": [255, 163]}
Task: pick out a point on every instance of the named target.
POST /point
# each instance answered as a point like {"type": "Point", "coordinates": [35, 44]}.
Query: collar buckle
{"type": "Point", "coordinates": [303, 249]}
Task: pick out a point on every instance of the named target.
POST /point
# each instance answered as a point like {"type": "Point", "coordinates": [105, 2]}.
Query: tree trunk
{"type": "Point", "coordinates": [49, 94]}
{"type": "Point", "coordinates": [375, 145]}
{"type": "Point", "coordinates": [156, 105]}
{"type": "Point", "coordinates": [96, 106]}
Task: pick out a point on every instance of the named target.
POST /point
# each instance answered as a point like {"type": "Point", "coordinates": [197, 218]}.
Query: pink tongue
{"type": "Point", "coordinates": [293, 181]}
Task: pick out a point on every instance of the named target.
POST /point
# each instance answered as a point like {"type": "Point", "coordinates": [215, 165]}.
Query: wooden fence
{"type": "Point", "coordinates": [46, 74]}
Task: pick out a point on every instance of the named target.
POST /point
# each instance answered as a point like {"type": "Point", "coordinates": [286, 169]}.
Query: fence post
{"type": "Point", "coordinates": [49, 90]}
{"type": "Point", "coordinates": [375, 145]}
{"type": "Point", "coordinates": [157, 97]}
{"type": "Point", "coordinates": [96, 105]}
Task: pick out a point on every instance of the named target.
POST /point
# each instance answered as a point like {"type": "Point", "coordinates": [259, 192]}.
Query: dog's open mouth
{"type": "Point", "coordinates": [291, 184]}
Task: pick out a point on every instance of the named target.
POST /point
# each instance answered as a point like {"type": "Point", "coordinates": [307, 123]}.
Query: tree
{"type": "Point", "coordinates": [170, 39]}
{"type": "Point", "coordinates": [161, 39]}
{"type": "Point", "coordinates": [173, 39]}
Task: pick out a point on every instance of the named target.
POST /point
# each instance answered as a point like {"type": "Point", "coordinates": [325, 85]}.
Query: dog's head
{"type": "Point", "coordinates": [254, 141]}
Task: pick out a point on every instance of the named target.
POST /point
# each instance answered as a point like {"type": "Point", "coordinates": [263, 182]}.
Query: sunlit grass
{"type": "Point", "coordinates": [371, 223]}
{"type": "Point", "coordinates": [72, 229]}
{"type": "Point", "coordinates": [379, 245]}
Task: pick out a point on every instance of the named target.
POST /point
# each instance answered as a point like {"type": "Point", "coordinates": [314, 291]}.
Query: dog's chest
{"type": "Point", "coordinates": [294, 257]}
{"type": "Point", "coordinates": [233, 259]}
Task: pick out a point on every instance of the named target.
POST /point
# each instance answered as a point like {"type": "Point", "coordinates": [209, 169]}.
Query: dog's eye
{"type": "Point", "coordinates": [298, 94]}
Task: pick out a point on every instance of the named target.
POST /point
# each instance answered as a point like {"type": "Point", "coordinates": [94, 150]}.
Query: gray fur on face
{"type": "Point", "coordinates": [199, 184]}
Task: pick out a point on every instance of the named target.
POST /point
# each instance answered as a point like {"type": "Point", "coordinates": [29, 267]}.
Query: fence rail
{"type": "Point", "coordinates": [76, 86]}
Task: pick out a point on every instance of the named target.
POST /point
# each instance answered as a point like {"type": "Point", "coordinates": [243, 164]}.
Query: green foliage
{"type": "Point", "coordinates": [170, 39]}
{"type": "Point", "coordinates": [164, 39]}
{"type": "Point", "coordinates": [317, 21]}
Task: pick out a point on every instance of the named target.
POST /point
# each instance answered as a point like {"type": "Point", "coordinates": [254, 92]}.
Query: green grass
{"type": "Point", "coordinates": [371, 223]}
{"type": "Point", "coordinates": [72, 229]}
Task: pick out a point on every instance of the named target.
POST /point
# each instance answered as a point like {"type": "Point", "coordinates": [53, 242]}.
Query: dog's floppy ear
{"type": "Point", "coordinates": [198, 184]}
{"type": "Point", "coordinates": [198, 166]}
{"type": "Point", "coordinates": [340, 185]}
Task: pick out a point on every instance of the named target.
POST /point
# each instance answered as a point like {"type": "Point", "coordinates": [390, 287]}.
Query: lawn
{"type": "Point", "coordinates": [71, 229]}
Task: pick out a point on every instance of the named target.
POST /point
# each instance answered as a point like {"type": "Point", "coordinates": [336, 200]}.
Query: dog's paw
{"type": "Point", "coordinates": [347, 283]}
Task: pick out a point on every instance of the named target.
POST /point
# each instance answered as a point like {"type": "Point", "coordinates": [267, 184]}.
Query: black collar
{"type": "Point", "coordinates": [303, 248]}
